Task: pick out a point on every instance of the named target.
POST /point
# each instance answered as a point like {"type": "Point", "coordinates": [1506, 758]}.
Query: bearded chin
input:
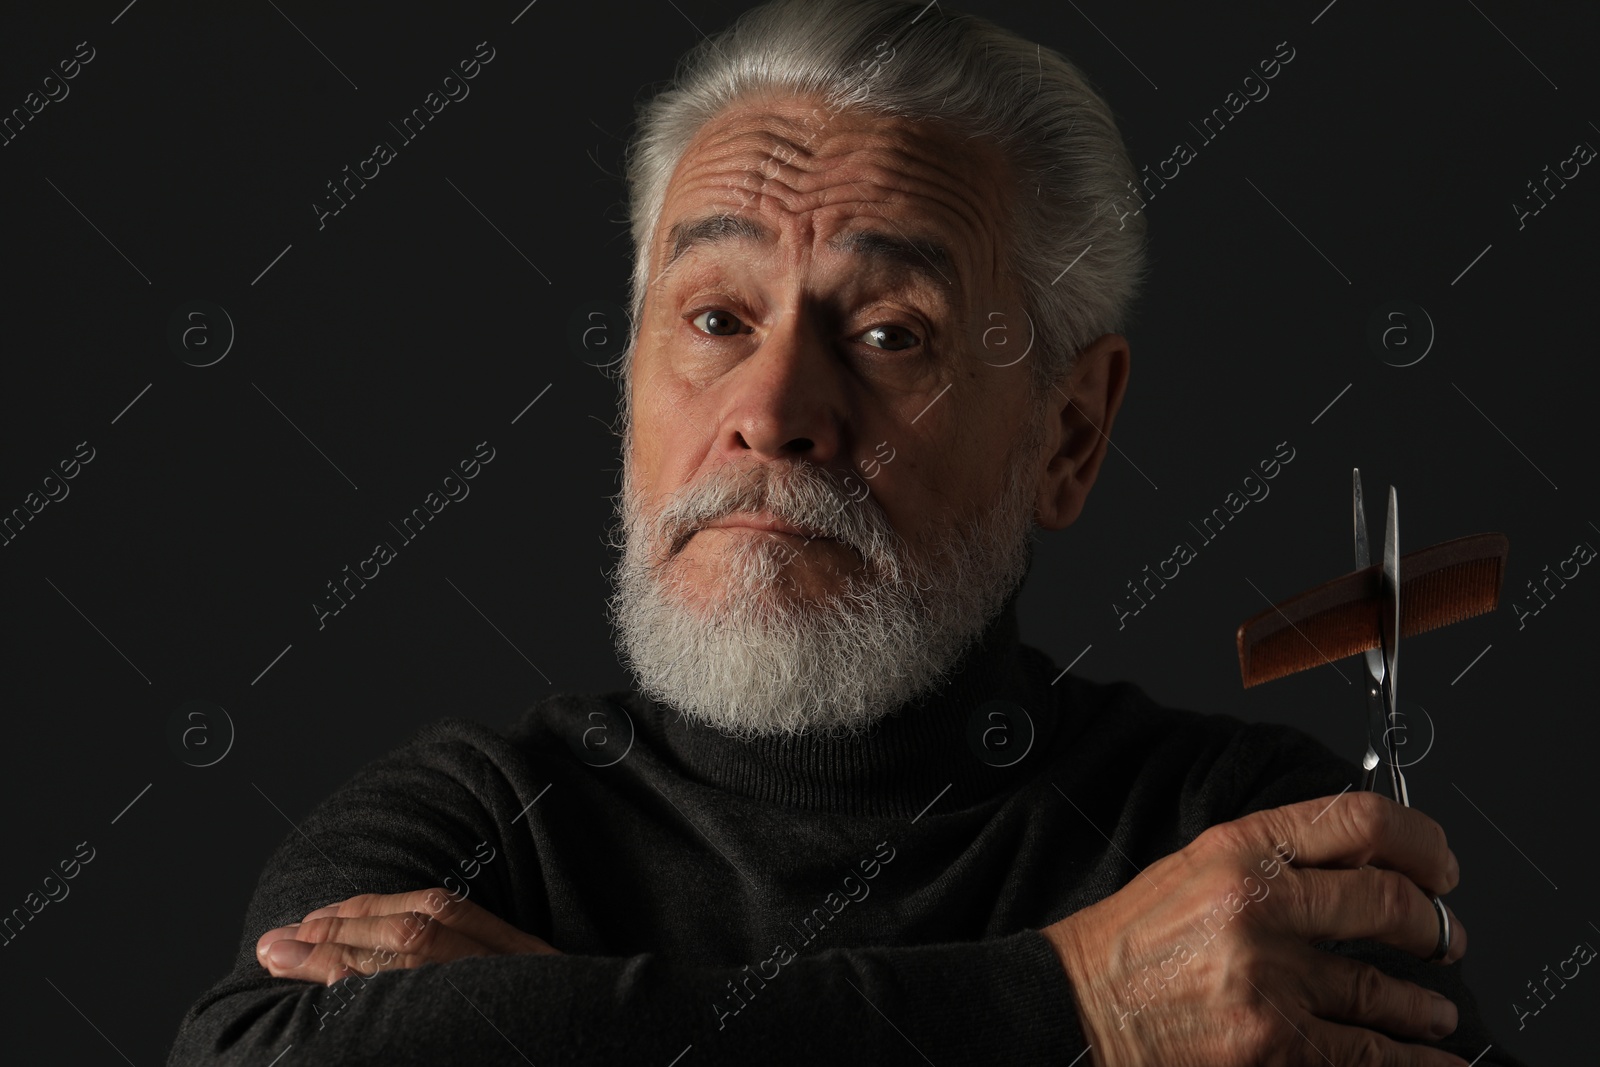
{"type": "Point", "coordinates": [754, 657]}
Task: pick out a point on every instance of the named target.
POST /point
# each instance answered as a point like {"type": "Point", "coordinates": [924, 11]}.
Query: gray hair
{"type": "Point", "coordinates": [1077, 257]}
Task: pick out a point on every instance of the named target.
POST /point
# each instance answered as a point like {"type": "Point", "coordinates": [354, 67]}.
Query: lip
{"type": "Point", "coordinates": [767, 523]}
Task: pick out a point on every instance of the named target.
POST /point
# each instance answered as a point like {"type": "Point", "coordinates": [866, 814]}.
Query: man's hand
{"type": "Point", "coordinates": [373, 931]}
{"type": "Point", "coordinates": [1205, 959]}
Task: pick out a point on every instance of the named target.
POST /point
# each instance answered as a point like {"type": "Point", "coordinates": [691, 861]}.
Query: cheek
{"type": "Point", "coordinates": [970, 479]}
{"type": "Point", "coordinates": [663, 433]}
{"type": "Point", "coordinates": [960, 468]}
{"type": "Point", "coordinates": [673, 395]}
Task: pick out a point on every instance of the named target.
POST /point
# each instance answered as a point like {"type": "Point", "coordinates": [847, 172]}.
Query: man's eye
{"type": "Point", "coordinates": [718, 322]}
{"type": "Point", "coordinates": [887, 335]}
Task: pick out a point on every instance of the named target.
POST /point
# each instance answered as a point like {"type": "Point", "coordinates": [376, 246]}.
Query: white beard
{"type": "Point", "coordinates": [755, 657]}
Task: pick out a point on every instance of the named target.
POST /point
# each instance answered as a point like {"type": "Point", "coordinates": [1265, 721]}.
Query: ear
{"type": "Point", "coordinates": [1081, 408]}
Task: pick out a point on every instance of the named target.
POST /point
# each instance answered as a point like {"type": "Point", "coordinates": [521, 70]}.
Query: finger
{"type": "Point", "coordinates": [1348, 991]}
{"type": "Point", "coordinates": [1338, 1043]}
{"type": "Point", "coordinates": [1360, 828]}
{"type": "Point", "coordinates": [413, 933]}
{"type": "Point", "coordinates": [275, 935]}
{"type": "Point", "coordinates": [331, 962]}
{"type": "Point", "coordinates": [434, 901]}
{"type": "Point", "coordinates": [1369, 902]}
{"type": "Point", "coordinates": [470, 918]}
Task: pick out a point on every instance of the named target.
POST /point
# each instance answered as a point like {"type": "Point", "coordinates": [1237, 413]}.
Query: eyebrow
{"type": "Point", "coordinates": [923, 256]}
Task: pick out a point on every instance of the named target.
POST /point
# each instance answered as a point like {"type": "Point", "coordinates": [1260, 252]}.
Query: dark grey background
{"type": "Point", "coordinates": [427, 315]}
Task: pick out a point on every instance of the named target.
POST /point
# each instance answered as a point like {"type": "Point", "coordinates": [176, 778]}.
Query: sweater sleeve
{"type": "Point", "coordinates": [405, 821]}
{"type": "Point", "coordinates": [1273, 765]}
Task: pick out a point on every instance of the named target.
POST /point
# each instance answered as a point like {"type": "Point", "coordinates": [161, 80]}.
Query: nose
{"type": "Point", "coordinates": [787, 399]}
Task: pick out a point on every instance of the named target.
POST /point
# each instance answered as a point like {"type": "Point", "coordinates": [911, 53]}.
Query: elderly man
{"type": "Point", "coordinates": [847, 817]}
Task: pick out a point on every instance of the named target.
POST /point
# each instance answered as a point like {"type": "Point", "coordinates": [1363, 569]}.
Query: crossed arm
{"type": "Point", "coordinates": [420, 975]}
{"type": "Point", "coordinates": [406, 974]}
{"type": "Point", "coordinates": [1197, 1012]}
{"type": "Point", "coordinates": [463, 986]}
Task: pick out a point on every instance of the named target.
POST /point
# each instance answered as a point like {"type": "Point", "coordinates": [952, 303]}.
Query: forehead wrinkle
{"type": "Point", "coordinates": [723, 170]}
{"type": "Point", "coordinates": [906, 184]}
{"type": "Point", "coordinates": [891, 151]}
{"type": "Point", "coordinates": [736, 156]}
{"type": "Point", "coordinates": [912, 179]}
{"type": "Point", "coordinates": [871, 243]}
{"type": "Point", "coordinates": [920, 255]}
{"type": "Point", "coordinates": [885, 260]}
{"type": "Point", "coordinates": [922, 258]}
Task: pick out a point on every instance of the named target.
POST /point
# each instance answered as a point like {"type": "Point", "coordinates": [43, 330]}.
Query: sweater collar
{"type": "Point", "coordinates": [952, 749]}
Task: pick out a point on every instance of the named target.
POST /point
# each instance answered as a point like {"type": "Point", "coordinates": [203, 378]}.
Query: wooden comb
{"type": "Point", "coordinates": [1439, 585]}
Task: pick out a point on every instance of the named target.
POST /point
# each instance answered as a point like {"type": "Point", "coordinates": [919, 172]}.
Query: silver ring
{"type": "Point", "coordinates": [1442, 949]}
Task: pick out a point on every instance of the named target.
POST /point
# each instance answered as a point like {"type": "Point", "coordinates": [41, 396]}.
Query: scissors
{"type": "Point", "coordinates": [1383, 662]}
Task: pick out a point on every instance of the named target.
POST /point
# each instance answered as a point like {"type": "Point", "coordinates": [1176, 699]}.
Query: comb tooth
{"type": "Point", "coordinates": [1335, 620]}
{"type": "Point", "coordinates": [1330, 636]}
{"type": "Point", "coordinates": [1448, 595]}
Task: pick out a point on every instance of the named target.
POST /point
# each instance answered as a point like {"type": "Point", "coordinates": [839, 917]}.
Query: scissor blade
{"type": "Point", "coordinates": [1377, 720]}
{"type": "Point", "coordinates": [1391, 600]}
{"type": "Point", "coordinates": [1364, 560]}
{"type": "Point", "coordinates": [1390, 624]}
{"type": "Point", "coordinates": [1363, 546]}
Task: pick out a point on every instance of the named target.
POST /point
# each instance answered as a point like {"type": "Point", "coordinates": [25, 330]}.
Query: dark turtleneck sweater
{"type": "Point", "coordinates": [800, 901]}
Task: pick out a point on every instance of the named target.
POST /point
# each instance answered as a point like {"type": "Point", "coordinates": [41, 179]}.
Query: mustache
{"type": "Point", "coordinates": [800, 493]}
